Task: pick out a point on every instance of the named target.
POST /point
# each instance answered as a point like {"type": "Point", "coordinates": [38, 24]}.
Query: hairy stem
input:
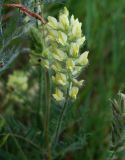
{"type": "Point", "coordinates": [47, 115]}
{"type": "Point", "coordinates": [40, 103]}
{"type": "Point", "coordinates": [61, 118]}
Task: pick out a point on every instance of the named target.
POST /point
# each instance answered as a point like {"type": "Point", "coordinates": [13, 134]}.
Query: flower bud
{"type": "Point", "coordinates": [64, 21]}
{"type": "Point", "coordinates": [76, 27]}
{"type": "Point", "coordinates": [62, 38]}
{"type": "Point", "coordinates": [66, 12]}
{"type": "Point", "coordinates": [45, 63]}
{"type": "Point", "coordinates": [45, 53]}
{"type": "Point", "coordinates": [52, 22]}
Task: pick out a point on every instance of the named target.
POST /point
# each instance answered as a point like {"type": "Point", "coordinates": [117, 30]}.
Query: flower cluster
{"type": "Point", "coordinates": [63, 39]}
{"type": "Point", "coordinates": [18, 81]}
{"type": "Point", "coordinates": [17, 85]}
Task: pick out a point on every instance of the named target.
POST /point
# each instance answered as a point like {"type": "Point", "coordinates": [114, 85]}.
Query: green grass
{"type": "Point", "coordinates": [104, 25]}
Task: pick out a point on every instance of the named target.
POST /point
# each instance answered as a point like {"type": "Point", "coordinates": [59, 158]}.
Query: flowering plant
{"type": "Point", "coordinates": [61, 54]}
{"type": "Point", "coordinates": [60, 58]}
{"type": "Point", "coordinates": [56, 50]}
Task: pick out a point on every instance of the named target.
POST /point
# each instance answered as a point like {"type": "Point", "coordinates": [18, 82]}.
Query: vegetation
{"type": "Point", "coordinates": [90, 123]}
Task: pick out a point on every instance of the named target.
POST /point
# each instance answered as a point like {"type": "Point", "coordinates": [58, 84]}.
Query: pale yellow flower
{"type": "Point", "coordinates": [81, 41]}
{"type": "Point", "coordinates": [77, 70]}
{"type": "Point", "coordinates": [77, 83]}
{"type": "Point", "coordinates": [74, 49]}
{"type": "Point", "coordinates": [52, 22]}
{"type": "Point", "coordinates": [56, 67]}
{"type": "Point", "coordinates": [58, 95]}
{"type": "Point", "coordinates": [58, 54]}
{"type": "Point", "coordinates": [60, 79]}
{"type": "Point", "coordinates": [83, 59]}
{"type": "Point", "coordinates": [76, 27]}
{"type": "Point", "coordinates": [53, 34]}
{"type": "Point", "coordinates": [70, 64]}
{"type": "Point", "coordinates": [64, 21]}
{"type": "Point", "coordinates": [66, 12]}
{"type": "Point", "coordinates": [62, 38]}
{"type": "Point", "coordinates": [73, 92]}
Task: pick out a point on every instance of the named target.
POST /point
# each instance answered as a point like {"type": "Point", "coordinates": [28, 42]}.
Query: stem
{"type": "Point", "coordinates": [47, 116]}
{"type": "Point", "coordinates": [40, 89]}
{"type": "Point", "coordinates": [40, 81]}
{"type": "Point", "coordinates": [61, 118]}
{"type": "Point", "coordinates": [39, 111]}
{"type": "Point", "coordinates": [26, 11]}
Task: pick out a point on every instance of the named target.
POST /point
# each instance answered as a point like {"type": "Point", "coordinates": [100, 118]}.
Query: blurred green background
{"type": "Point", "coordinates": [104, 28]}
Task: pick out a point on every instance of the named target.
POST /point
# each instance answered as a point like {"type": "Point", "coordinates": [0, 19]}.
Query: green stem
{"type": "Point", "coordinates": [47, 103]}
{"type": "Point", "coordinates": [39, 111]}
{"type": "Point", "coordinates": [40, 89]}
{"type": "Point", "coordinates": [61, 118]}
{"type": "Point", "coordinates": [47, 115]}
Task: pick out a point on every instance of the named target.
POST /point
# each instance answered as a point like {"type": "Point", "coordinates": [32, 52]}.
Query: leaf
{"type": "Point", "coordinates": [4, 139]}
{"type": "Point", "coordinates": [2, 122]}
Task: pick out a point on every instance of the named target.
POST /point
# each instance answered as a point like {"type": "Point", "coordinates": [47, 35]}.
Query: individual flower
{"type": "Point", "coordinates": [58, 54]}
{"type": "Point", "coordinates": [70, 64]}
{"type": "Point", "coordinates": [76, 31]}
{"type": "Point", "coordinates": [53, 22]}
{"type": "Point", "coordinates": [80, 41]}
{"type": "Point", "coordinates": [64, 20]}
{"type": "Point", "coordinates": [77, 83]}
{"type": "Point", "coordinates": [73, 92]}
{"type": "Point", "coordinates": [62, 38]}
{"type": "Point", "coordinates": [57, 67]}
{"type": "Point", "coordinates": [83, 59]}
{"type": "Point", "coordinates": [60, 79]}
{"type": "Point", "coordinates": [74, 49]}
{"type": "Point", "coordinates": [53, 34]}
{"type": "Point", "coordinates": [58, 95]}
